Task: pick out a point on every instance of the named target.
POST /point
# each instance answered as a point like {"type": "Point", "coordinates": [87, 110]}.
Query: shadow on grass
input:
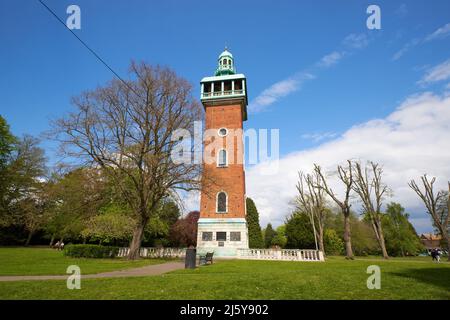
{"type": "Point", "coordinates": [439, 277]}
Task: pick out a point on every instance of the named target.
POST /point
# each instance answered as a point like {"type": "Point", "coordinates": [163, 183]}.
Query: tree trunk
{"type": "Point", "coordinates": [321, 245]}
{"type": "Point", "coordinates": [381, 242]}
{"type": "Point", "coordinates": [347, 238]}
{"type": "Point", "coordinates": [52, 239]}
{"type": "Point", "coordinates": [378, 230]}
{"type": "Point", "coordinates": [447, 239]}
{"type": "Point", "coordinates": [135, 244]}
{"type": "Point", "coordinates": [30, 234]}
{"type": "Point", "coordinates": [448, 250]}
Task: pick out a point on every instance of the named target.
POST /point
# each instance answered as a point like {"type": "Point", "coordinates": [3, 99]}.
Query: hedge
{"type": "Point", "coordinates": [90, 251]}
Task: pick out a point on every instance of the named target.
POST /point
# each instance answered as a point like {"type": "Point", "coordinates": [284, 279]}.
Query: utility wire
{"type": "Point", "coordinates": [84, 44]}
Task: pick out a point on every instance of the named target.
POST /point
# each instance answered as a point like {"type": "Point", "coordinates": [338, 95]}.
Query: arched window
{"type": "Point", "coordinates": [222, 202]}
{"type": "Point", "coordinates": [225, 61]}
{"type": "Point", "coordinates": [222, 158]}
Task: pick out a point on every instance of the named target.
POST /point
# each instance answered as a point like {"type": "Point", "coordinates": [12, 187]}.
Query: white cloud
{"type": "Point", "coordinates": [405, 49]}
{"type": "Point", "coordinates": [402, 10]}
{"type": "Point", "coordinates": [440, 72]}
{"type": "Point", "coordinates": [278, 90]}
{"type": "Point", "coordinates": [330, 59]}
{"type": "Point", "coordinates": [285, 87]}
{"type": "Point", "coordinates": [316, 137]}
{"type": "Point", "coordinates": [356, 41]}
{"type": "Point", "coordinates": [440, 33]}
{"type": "Point", "coordinates": [409, 142]}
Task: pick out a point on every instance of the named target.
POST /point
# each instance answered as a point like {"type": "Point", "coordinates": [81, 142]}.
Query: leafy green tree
{"type": "Point", "coordinates": [401, 237]}
{"type": "Point", "coordinates": [299, 232]}
{"type": "Point", "coordinates": [334, 245]}
{"type": "Point", "coordinates": [269, 234]}
{"type": "Point", "coordinates": [76, 197]}
{"type": "Point", "coordinates": [280, 237]}
{"type": "Point", "coordinates": [158, 227]}
{"type": "Point", "coordinates": [24, 200]}
{"type": "Point", "coordinates": [110, 225]}
{"type": "Point", "coordinates": [7, 141]}
{"type": "Point", "coordinates": [255, 239]}
{"type": "Point", "coordinates": [363, 237]}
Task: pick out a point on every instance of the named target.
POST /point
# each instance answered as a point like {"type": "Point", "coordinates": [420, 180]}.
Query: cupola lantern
{"type": "Point", "coordinates": [226, 64]}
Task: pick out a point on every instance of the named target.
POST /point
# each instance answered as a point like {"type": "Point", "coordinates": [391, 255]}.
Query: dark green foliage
{"type": "Point", "coordinates": [90, 251]}
{"type": "Point", "coordinates": [255, 239]}
{"type": "Point", "coordinates": [7, 141]}
{"type": "Point", "coordinates": [280, 237]}
{"type": "Point", "coordinates": [158, 227]}
{"type": "Point", "coordinates": [269, 234]}
{"type": "Point", "coordinates": [299, 232]}
{"type": "Point", "coordinates": [362, 235]}
{"type": "Point", "coordinates": [334, 245]}
{"type": "Point", "coordinates": [401, 237]}
{"type": "Point", "coordinates": [22, 198]}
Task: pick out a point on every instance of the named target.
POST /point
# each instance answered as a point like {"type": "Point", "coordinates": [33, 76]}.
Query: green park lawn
{"type": "Point", "coordinates": [407, 278]}
{"type": "Point", "coordinates": [43, 261]}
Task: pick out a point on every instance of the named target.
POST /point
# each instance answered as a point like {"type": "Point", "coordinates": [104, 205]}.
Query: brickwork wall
{"type": "Point", "coordinates": [230, 179]}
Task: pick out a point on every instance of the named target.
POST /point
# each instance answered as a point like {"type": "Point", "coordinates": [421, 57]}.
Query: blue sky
{"type": "Point", "coordinates": [42, 65]}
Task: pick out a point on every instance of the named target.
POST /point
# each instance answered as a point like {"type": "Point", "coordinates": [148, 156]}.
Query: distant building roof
{"type": "Point", "coordinates": [430, 236]}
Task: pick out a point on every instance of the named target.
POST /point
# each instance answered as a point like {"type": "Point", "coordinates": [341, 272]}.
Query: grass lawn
{"type": "Point", "coordinates": [415, 278]}
{"type": "Point", "coordinates": [43, 261]}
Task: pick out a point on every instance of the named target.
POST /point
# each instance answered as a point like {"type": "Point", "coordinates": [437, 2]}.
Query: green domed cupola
{"type": "Point", "coordinates": [226, 64]}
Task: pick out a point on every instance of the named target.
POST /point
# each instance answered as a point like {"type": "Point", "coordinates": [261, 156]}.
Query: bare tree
{"type": "Point", "coordinates": [371, 190]}
{"type": "Point", "coordinates": [439, 213]}
{"type": "Point", "coordinates": [346, 176]}
{"type": "Point", "coordinates": [125, 129]}
{"type": "Point", "coordinates": [311, 200]}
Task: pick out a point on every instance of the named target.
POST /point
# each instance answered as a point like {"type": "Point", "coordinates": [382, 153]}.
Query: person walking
{"type": "Point", "coordinates": [438, 255]}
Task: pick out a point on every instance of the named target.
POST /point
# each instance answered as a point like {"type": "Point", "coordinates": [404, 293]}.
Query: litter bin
{"type": "Point", "coordinates": [191, 257]}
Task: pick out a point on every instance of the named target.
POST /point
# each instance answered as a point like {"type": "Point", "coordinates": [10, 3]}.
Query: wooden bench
{"type": "Point", "coordinates": [206, 258]}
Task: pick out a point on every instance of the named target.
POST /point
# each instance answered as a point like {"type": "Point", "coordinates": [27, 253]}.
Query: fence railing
{"type": "Point", "coordinates": [280, 254]}
{"type": "Point", "coordinates": [250, 254]}
{"type": "Point", "coordinates": [222, 93]}
{"type": "Point", "coordinates": [156, 252]}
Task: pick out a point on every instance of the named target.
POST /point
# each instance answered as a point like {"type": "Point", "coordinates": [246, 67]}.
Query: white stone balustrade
{"type": "Point", "coordinates": [156, 252]}
{"type": "Point", "coordinates": [280, 254]}
{"type": "Point", "coordinates": [245, 254]}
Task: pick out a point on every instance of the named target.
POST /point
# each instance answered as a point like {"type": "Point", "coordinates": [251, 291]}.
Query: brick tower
{"type": "Point", "coordinates": [222, 227]}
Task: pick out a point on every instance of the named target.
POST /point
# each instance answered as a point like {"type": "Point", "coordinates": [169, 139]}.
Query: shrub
{"type": "Point", "coordinates": [333, 243]}
{"type": "Point", "coordinates": [90, 251]}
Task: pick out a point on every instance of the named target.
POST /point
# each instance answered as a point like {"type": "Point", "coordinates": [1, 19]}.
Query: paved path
{"type": "Point", "coordinates": [151, 270]}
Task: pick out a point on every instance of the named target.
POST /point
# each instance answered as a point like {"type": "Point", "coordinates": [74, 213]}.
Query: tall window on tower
{"type": "Point", "coordinates": [222, 158]}
{"type": "Point", "coordinates": [222, 202]}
